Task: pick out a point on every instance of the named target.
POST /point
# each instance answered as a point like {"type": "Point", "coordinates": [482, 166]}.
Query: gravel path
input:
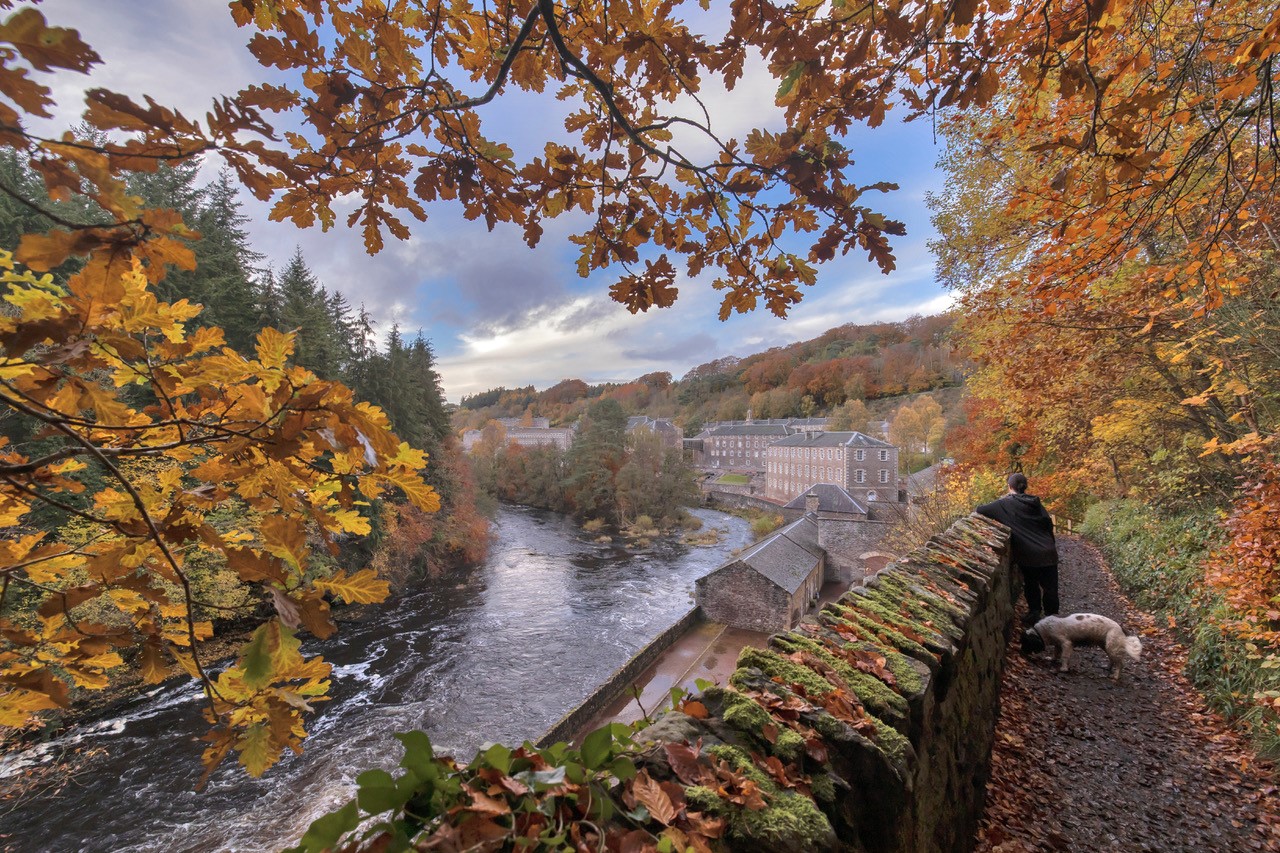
{"type": "Point", "coordinates": [1084, 765]}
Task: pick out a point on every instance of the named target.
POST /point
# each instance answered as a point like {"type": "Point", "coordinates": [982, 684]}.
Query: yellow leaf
{"type": "Point", "coordinates": [352, 521]}
{"type": "Point", "coordinates": [18, 706]}
{"type": "Point", "coordinates": [153, 667]}
{"type": "Point", "coordinates": [285, 538]}
{"type": "Point", "coordinates": [256, 751]}
{"type": "Point", "coordinates": [274, 347]}
{"type": "Point", "coordinates": [12, 509]}
{"type": "Point", "coordinates": [419, 493]}
{"type": "Point", "coordinates": [363, 587]}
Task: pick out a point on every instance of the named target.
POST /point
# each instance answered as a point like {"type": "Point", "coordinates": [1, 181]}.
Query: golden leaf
{"type": "Point", "coordinates": [363, 587]}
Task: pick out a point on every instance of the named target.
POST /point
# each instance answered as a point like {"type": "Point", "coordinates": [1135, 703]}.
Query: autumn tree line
{"type": "Point", "coordinates": [1109, 226]}
{"type": "Point", "coordinates": [243, 313]}
{"type": "Point", "coordinates": [848, 364]}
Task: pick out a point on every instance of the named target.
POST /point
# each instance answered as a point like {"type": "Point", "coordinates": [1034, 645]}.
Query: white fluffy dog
{"type": "Point", "coordinates": [1064, 633]}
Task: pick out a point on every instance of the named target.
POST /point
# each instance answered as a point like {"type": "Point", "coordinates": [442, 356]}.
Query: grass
{"type": "Point", "coordinates": [734, 479]}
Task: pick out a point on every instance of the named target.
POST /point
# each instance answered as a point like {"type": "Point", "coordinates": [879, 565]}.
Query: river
{"type": "Point", "coordinates": [496, 652]}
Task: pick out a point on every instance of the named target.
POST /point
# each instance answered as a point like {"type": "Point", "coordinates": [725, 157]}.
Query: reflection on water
{"type": "Point", "coordinates": [493, 653]}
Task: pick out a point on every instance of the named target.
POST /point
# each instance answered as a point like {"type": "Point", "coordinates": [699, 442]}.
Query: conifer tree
{"type": "Point", "coordinates": [594, 459]}
{"type": "Point", "coordinates": [304, 306]}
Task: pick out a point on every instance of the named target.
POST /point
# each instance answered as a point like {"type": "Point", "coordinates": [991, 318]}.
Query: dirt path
{"type": "Point", "coordinates": [1081, 764]}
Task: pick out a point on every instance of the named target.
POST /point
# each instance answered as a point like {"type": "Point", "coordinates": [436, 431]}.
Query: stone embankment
{"type": "Point", "coordinates": [870, 726]}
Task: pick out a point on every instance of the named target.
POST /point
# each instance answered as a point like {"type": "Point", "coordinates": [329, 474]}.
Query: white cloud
{"type": "Point", "coordinates": [183, 53]}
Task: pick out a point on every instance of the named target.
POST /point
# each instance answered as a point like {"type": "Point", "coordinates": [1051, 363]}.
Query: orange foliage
{"type": "Point", "coordinates": [1247, 570]}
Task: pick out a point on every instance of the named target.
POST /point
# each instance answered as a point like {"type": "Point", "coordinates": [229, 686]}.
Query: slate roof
{"type": "Point", "coordinates": [831, 439]}
{"type": "Point", "coordinates": [923, 481]}
{"type": "Point", "coordinates": [788, 556]}
{"type": "Point", "coordinates": [749, 429]}
{"type": "Point", "coordinates": [831, 498]}
{"type": "Point", "coordinates": [791, 422]}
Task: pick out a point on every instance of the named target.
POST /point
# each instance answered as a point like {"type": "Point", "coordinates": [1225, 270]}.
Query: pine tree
{"type": "Point", "coordinates": [226, 263]}
{"type": "Point", "coordinates": [304, 306]}
{"type": "Point", "coordinates": [594, 459]}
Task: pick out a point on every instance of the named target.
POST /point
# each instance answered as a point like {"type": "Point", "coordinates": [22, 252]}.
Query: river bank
{"type": "Point", "coordinates": [497, 651]}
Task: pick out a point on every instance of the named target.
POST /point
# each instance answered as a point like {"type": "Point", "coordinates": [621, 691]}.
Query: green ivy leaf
{"type": "Point", "coordinates": [324, 832]}
{"type": "Point", "coordinates": [419, 756]}
{"type": "Point", "coordinates": [378, 792]}
{"type": "Point", "coordinates": [597, 748]}
{"type": "Point", "coordinates": [498, 757]}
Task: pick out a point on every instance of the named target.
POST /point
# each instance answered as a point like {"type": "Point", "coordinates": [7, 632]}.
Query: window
{"type": "Point", "coordinates": [884, 456]}
{"type": "Point", "coordinates": [860, 455]}
{"type": "Point", "coordinates": [862, 476]}
{"type": "Point", "coordinates": [884, 475]}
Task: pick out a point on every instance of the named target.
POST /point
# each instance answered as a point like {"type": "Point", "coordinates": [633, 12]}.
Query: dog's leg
{"type": "Point", "coordinates": [1117, 666]}
{"type": "Point", "coordinates": [1065, 652]}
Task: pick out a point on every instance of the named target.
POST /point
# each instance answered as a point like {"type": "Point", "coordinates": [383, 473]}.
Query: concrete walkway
{"type": "Point", "coordinates": [708, 651]}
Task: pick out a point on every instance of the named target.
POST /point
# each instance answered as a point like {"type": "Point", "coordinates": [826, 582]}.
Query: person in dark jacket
{"type": "Point", "coordinates": [1032, 546]}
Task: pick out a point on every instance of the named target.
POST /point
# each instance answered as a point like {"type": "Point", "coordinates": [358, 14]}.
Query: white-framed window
{"type": "Point", "coordinates": [862, 476]}
{"type": "Point", "coordinates": [884, 475]}
{"type": "Point", "coordinates": [860, 455]}
{"type": "Point", "coordinates": [884, 456]}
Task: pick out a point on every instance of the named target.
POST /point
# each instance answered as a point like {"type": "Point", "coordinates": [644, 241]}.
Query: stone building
{"type": "Point", "coordinates": [736, 448]}
{"type": "Point", "coordinates": [865, 467]}
{"type": "Point", "coordinates": [671, 435]}
{"type": "Point", "coordinates": [525, 436]}
{"type": "Point", "coordinates": [771, 585]}
{"type": "Point", "coordinates": [849, 532]}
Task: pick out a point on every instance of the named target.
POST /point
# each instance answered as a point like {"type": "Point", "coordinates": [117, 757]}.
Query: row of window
{"type": "Point", "coordinates": [859, 455]}
{"type": "Point", "coordinates": [859, 476]}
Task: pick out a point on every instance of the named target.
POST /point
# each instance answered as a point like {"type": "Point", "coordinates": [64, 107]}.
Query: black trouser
{"type": "Point", "coordinates": [1040, 586]}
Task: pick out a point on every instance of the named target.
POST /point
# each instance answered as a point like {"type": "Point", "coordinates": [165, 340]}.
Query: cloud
{"type": "Point", "coordinates": [183, 53]}
{"type": "Point", "coordinates": [691, 347]}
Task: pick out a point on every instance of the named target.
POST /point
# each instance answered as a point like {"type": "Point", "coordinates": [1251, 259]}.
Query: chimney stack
{"type": "Point", "coordinates": [811, 502]}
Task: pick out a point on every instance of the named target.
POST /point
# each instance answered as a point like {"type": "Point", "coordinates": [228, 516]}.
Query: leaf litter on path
{"type": "Point", "coordinates": [1082, 764]}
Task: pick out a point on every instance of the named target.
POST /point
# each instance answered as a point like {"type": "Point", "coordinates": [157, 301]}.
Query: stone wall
{"type": "Point", "coordinates": [617, 684]}
{"type": "Point", "coordinates": [866, 729]}
{"type": "Point", "coordinates": [716, 498]}
{"type": "Point", "coordinates": [845, 543]}
{"type": "Point", "coordinates": [869, 727]}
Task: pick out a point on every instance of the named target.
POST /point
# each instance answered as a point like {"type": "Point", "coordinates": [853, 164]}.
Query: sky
{"type": "Point", "coordinates": [496, 312]}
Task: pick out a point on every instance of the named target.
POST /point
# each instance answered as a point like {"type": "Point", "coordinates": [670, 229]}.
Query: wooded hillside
{"type": "Point", "coordinates": [808, 378]}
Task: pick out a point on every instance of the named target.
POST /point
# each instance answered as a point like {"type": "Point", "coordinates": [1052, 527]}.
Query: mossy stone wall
{"type": "Point", "coordinates": [869, 727]}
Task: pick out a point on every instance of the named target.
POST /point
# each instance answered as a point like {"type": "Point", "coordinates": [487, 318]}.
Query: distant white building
{"type": "Point", "coordinates": [524, 435]}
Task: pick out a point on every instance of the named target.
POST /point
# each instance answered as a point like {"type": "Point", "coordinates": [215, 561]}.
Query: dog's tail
{"type": "Point", "coordinates": [1132, 647]}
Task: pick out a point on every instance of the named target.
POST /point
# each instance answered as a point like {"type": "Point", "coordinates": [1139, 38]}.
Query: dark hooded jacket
{"type": "Point", "coordinates": [1032, 542]}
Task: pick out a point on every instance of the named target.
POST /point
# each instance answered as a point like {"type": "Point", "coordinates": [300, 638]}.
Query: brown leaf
{"type": "Point", "coordinates": [685, 763]}
{"type": "Point", "coordinates": [637, 841]}
{"type": "Point", "coordinates": [649, 794]}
